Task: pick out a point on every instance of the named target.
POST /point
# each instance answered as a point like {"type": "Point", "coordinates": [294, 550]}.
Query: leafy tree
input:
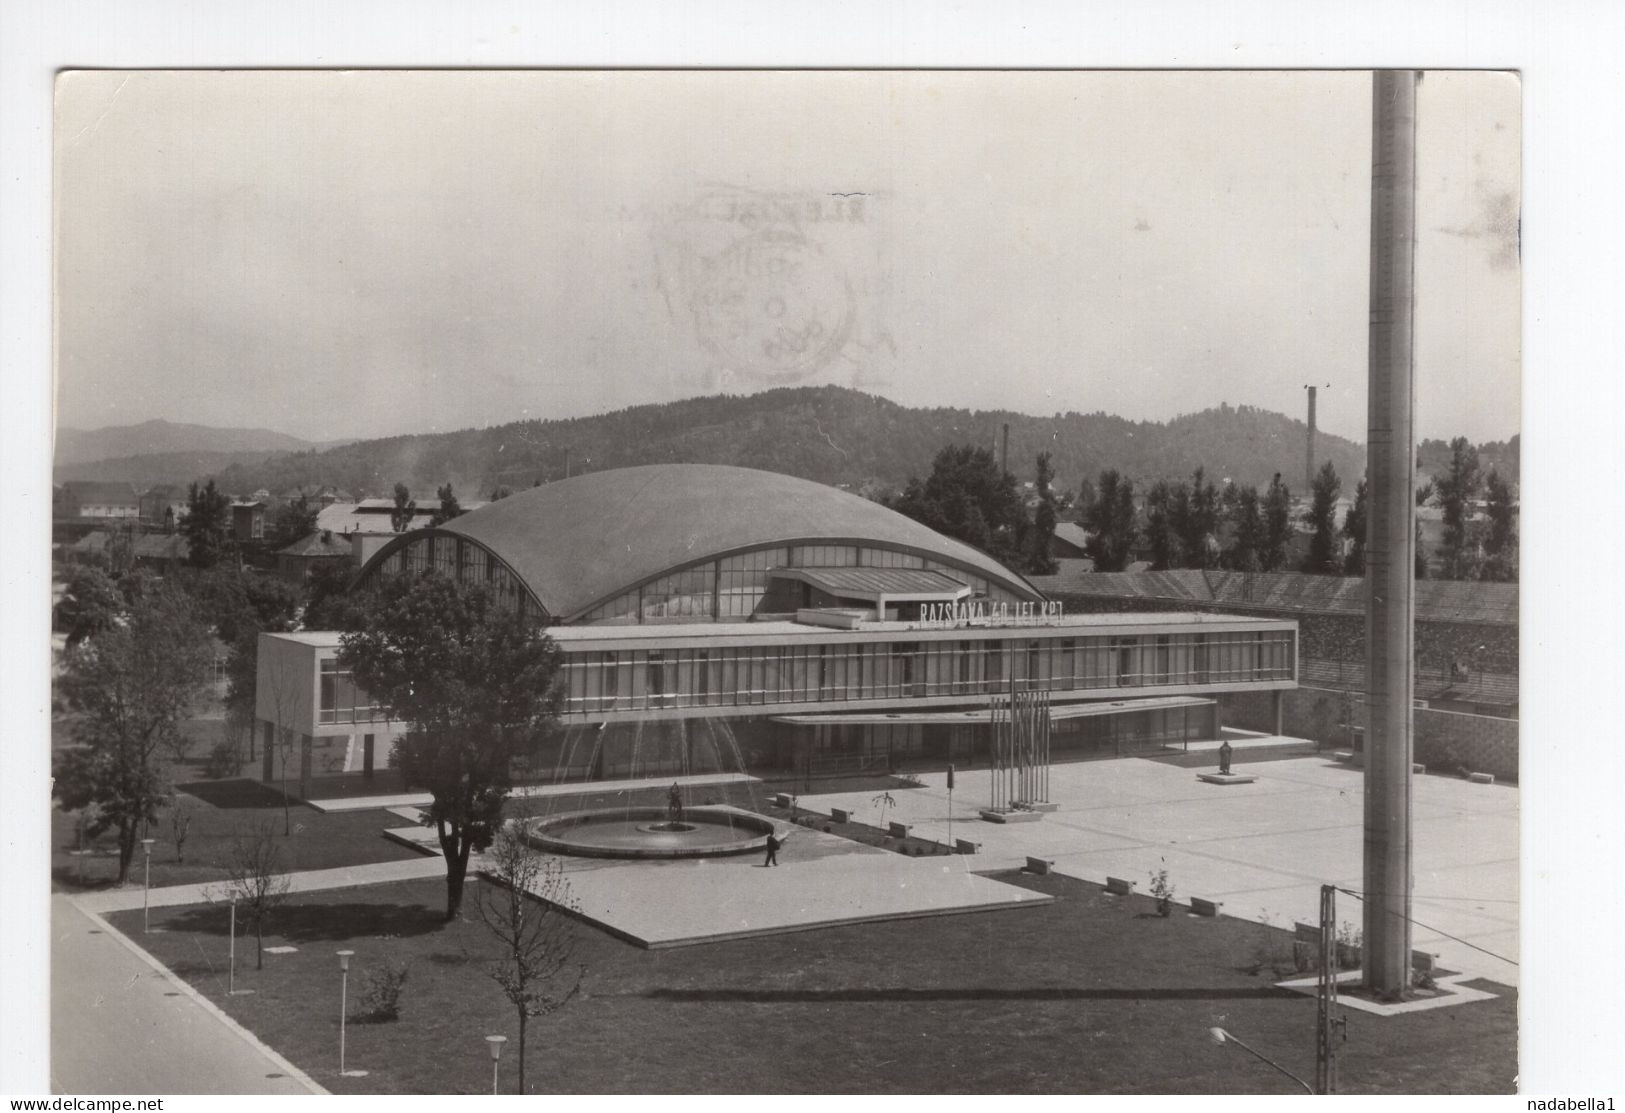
{"type": "Point", "coordinates": [295, 519]}
{"type": "Point", "coordinates": [1421, 554]}
{"type": "Point", "coordinates": [526, 907]}
{"type": "Point", "coordinates": [207, 525]}
{"type": "Point", "coordinates": [969, 498]}
{"type": "Point", "coordinates": [91, 604]}
{"type": "Point", "coordinates": [1196, 521]}
{"type": "Point", "coordinates": [1501, 542]}
{"type": "Point", "coordinates": [1277, 525]}
{"type": "Point", "coordinates": [1354, 527]}
{"type": "Point", "coordinates": [1457, 488]}
{"type": "Point", "coordinates": [449, 506]}
{"type": "Point", "coordinates": [1248, 527]}
{"type": "Point", "coordinates": [474, 684]}
{"type": "Point", "coordinates": [327, 599]}
{"type": "Point", "coordinates": [500, 491]}
{"type": "Point", "coordinates": [1322, 518]}
{"type": "Point", "coordinates": [1110, 522]}
{"type": "Point", "coordinates": [1043, 531]}
{"type": "Point", "coordinates": [400, 519]}
{"type": "Point", "coordinates": [128, 691]}
{"type": "Point", "coordinates": [1085, 500]}
{"type": "Point", "coordinates": [1162, 507]}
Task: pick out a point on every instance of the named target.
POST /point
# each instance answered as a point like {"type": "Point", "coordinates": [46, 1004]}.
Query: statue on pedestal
{"type": "Point", "coordinates": [1224, 758]}
{"type": "Point", "coordinates": [674, 803]}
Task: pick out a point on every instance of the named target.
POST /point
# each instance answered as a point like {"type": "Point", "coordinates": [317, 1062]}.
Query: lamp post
{"type": "Point", "coordinates": [344, 1009]}
{"type": "Point", "coordinates": [146, 884]}
{"type": "Point", "coordinates": [1220, 1036]}
{"type": "Point", "coordinates": [495, 1043]}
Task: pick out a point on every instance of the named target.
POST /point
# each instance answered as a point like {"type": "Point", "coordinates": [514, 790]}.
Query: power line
{"type": "Point", "coordinates": [1440, 931]}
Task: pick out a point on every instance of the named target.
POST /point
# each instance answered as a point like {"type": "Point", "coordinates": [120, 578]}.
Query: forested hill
{"type": "Point", "coordinates": [829, 434]}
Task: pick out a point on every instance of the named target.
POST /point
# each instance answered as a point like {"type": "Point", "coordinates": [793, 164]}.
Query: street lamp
{"type": "Point", "coordinates": [146, 885]}
{"type": "Point", "coordinates": [1220, 1036]}
{"type": "Point", "coordinates": [496, 1043]}
{"type": "Point", "coordinates": [344, 1009]}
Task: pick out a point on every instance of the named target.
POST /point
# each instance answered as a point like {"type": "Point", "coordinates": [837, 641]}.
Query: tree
{"type": "Point", "coordinates": [1196, 521]}
{"type": "Point", "coordinates": [1501, 542]}
{"type": "Point", "coordinates": [500, 492]}
{"type": "Point", "coordinates": [1248, 525]}
{"type": "Point", "coordinates": [400, 519]}
{"type": "Point", "coordinates": [449, 507]}
{"type": "Point", "coordinates": [969, 498]}
{"type": "Point", "coordinates": [90, 604]}
{"type": "Point", "coordinates": [1322, 518]}
{"type": "Point", "coordinates": [295, 519]}
{"type": "Point", "coordinates": [1110, 522]}
{"type": "Point", "coordinates": [1421, 553]}
{"type": "Point", "coordinates": [473, 682]}
{"type": "Point", "coordinates": [128, 691]}
{"type": "Point", "coordinates": [327, 596]}
{"type": "Point", "coordinates": [255, 873]}
{"type": "Point", "coordinates": [1457, 488]}
{"type": "Point", "coordinates": [526, 904]}
{"type": "Point", "coordinates": [207, 525]}
{"type": "Point", "coordinates": [1354, 528]}
{"type": "Point", "coordinates": [1277, 525]}
{"type": "Point", "coordinates": [1162, 507]}
{"type": "Point", "coordinates": [1043, 532]}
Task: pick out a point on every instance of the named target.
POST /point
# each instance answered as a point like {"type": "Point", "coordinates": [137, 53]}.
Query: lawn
{"type": "Point", "coordinates": [1086, 994]}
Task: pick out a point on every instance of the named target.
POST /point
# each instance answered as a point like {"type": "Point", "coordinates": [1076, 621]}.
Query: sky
{"type": "Point", "coordinates": [345, 255]}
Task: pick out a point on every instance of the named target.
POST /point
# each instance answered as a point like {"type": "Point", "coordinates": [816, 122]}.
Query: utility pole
{"type": "Point", "coordinates": [1309, 455]}
{"type": "Point", "coordinates": [1390, 575]}
{"type": "Point", "coordinates": [1328, 1028]}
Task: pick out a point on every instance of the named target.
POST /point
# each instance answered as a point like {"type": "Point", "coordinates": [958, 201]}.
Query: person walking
{"type": "Point", "coordinates": [773, 845]}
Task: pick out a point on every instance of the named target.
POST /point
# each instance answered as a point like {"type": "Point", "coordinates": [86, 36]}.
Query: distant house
{"type": "Point", "coordinates": [1069, 542]}
{"type": "Point", "coordinates": [91, 498]}
{"type": "Point", "coordinates": [248, 520]}
{"type": "Point", "coordinates": [161, 552]}
{"type": "Point", "coordinates": [295, 562]}
{"type": "Point", "coordinates": [164, 506]}
{"type": "Point", "coordinates": [367, 524]}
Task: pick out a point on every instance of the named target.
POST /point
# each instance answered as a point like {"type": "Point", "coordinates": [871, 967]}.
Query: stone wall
{"type": "Point", "coordinates": [1444, 741]}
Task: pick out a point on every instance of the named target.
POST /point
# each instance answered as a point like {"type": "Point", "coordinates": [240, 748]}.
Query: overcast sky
{"type": "Point", "coordinates": [362, 254]}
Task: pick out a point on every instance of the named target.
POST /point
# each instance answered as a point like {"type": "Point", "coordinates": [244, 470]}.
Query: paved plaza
{"type": "Point", "coordinates": [821, 880]}
{"type": "Point", "coordinates": [1263, 849]}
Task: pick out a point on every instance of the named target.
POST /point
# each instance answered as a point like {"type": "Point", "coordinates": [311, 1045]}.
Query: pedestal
{"type": "Point", "coordinates": [1227, 778]}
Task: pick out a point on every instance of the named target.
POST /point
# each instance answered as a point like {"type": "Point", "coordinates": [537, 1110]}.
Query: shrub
{"type": "Point", "coordinates": [1163, 890]}
{"type": "Point", "coordinates": [379, 997]}
{"type": "Point", "coordinates": [223, 761]}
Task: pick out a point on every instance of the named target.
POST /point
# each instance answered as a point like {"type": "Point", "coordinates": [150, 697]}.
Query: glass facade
{"type": "Point", "coordinates": [340, 700]}
{"type": "Point", "coordinates": [831, 672]}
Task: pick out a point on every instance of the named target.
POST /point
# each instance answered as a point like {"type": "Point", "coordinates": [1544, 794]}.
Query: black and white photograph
{"type": "Point", "coordinates": [865, 581]}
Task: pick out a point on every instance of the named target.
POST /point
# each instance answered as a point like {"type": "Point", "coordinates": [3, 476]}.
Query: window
{"type": "Point", "coordinates": [1125, 662]}
{"type": "Point", "coordinates": [341, 700]}
{"type": "Point", "coordinates": [1164, 658]}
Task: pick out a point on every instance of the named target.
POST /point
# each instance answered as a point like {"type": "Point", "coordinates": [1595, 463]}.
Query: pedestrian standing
{"type": "Point", "coordinates": [773, 845]}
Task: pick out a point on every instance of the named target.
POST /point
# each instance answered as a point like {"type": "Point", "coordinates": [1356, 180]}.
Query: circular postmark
{"type": "Point", "coordinates": [772, 305]}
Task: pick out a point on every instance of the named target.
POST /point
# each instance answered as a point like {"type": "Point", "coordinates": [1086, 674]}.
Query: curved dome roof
{"type": "Point", "coordinates": [581, 541]}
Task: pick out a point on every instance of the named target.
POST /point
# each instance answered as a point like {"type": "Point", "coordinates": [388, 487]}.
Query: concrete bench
{"type": "Point", "coordinates": [1422, 962]}
{"type": "Point", "coordinates": [841, 815]}
{"type": "Point", "coordinates": [898, 830]}
{"type": "Point", "coordinates": [1418, 768]}
{"type": "Point", "coordinates": [965, 846]}
{"type": "Point", "coordinates": [1345, 756]}
{"type": "Point", "coordinates": [1201, 906]}
{"type": "Point", "coordinates": [1481, 778]}
{"type": "Point", "coordinates": [1118, 886]}
{"type": "Point", "coordinates": [1039, 865]}
{"type": "Point", "coordinates": [782, 800]}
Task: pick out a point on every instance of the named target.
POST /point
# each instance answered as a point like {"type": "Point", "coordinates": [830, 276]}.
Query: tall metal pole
{"type": "Point", "coordinates": [231, 977]}
{"type": "Point", "coordinates": [1390, 572]}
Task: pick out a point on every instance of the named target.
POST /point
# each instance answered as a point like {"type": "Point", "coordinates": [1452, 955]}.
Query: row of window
{"type": "Point", "coordinates": [636, 680]}
{"type": "Point", "coordinates": [341, 701]}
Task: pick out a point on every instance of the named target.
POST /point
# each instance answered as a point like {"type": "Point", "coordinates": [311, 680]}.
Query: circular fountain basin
{"type": "Point", "coordinates": [649, 833]}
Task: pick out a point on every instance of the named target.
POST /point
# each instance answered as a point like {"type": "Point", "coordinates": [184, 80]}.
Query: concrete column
{"type": "Point", "coordinates": [1280, 711]}
{"type": "Point", "coordinates": [1390, 576]}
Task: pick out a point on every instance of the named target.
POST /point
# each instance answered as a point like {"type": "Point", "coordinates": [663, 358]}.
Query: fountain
{"type": "Point", "coordinates": [684, 748]}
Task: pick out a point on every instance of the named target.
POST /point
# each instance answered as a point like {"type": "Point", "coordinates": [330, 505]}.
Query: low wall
{"type": "Point", "coordinates": [1444, 741]}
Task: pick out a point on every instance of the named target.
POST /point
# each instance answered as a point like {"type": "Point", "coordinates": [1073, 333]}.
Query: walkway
{"type": "Point", "coordinates": [341, 877]}
{"type": "Point", "coordinates": [121, 1025]}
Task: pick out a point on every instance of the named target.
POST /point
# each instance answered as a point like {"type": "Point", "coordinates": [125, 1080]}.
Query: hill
{"type": "Point", "coordinates": [829, 434]}
{"type": "Point", "coordinates": [153, 469]}
{"type": "Point", "coordinates": [150, 438]}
